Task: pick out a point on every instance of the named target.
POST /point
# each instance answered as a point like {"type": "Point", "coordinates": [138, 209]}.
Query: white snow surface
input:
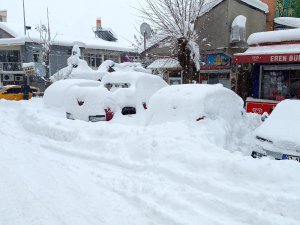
{"type": "Point", "coordinates": [274, 36]}
{"type": "Point", "coordinates": [283, 125]}
{"type": "Point", "coordinates": [55, 171]}
{"type": "Point", "coordinates": [239, 21]}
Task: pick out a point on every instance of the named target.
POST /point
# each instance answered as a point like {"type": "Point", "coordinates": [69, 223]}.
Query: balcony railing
{"type": "Point", "coordinates": [11, 66]}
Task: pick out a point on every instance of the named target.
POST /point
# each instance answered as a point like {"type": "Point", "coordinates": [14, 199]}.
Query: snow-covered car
{"type": "Point", "coordinates": [278, 136]}
{"type": "Point", "coordinates": [89, 103]}
{"type": "Point", "coordinates": [55, 95]}
{"type": "Point", "coordinates": [132, 90]}
{"type": "Point", "coordinates": [194, 102]}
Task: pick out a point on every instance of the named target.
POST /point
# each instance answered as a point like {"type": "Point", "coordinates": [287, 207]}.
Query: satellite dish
{"type": "Point", "coordinates": [146, 30]}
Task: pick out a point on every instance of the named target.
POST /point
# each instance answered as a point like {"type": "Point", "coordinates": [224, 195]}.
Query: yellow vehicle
{"type": "Point", "coordinates": [15, 92]}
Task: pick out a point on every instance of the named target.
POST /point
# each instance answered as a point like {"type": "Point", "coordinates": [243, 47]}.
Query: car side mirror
{"type": "Point", "coordinates": [264, 116]}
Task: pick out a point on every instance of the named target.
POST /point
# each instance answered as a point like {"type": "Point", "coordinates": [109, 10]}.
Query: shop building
{"type": "Point", "coordinates": [272, 62]}
{"type": "Point", "coordinates": [222, 36]}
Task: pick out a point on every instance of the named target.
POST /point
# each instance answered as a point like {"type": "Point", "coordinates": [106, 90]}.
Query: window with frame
{"type": "Point", "coordinates": [279, 85]}
{"type": "Point", "coordinates": [36, 57]}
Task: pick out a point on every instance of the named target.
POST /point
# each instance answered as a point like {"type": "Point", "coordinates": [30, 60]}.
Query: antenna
{"type": "Point", "coordinates": [146, 31]}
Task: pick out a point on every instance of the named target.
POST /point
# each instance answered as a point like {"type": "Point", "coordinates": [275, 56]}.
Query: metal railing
{"type": "Point", "coordinates": [11, 66]}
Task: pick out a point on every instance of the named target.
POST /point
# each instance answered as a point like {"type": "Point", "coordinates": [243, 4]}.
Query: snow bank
{"type": "Point", "coordinates": [194, 101]}
{"type": "Point", "coordinates": [72, 172]}
{"type": "Point", "coordinates": [283, 125]}
{"type": "Point", "coordinates": [55, 94]}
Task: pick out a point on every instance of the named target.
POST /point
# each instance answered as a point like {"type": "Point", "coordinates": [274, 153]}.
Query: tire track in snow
{"type": "Point", "coordinates": [213, 193]}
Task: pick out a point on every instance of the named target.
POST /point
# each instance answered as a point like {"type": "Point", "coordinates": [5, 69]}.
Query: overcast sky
{"type": "Point", "coordinates": [77, 17]}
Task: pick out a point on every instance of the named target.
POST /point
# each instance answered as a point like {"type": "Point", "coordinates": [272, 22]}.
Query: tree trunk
{"type": "Point", "coordinates": [185, 61]}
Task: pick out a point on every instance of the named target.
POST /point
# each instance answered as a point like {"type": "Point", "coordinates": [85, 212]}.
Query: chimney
{"type": "Point", "coordinates": [3, 15]}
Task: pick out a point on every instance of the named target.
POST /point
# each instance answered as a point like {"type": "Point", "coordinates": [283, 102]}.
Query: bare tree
{"type": "Point", "coordinates": [176, 20]}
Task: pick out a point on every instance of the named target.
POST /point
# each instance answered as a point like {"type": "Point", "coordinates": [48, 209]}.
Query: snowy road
{"type": "Point", "coordinates": [55, 171]}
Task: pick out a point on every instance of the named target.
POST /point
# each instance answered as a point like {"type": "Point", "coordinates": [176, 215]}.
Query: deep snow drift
{"type": "Point", "coordinates": [56, 171]}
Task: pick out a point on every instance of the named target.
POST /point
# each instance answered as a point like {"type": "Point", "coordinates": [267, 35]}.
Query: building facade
{"type": "Point", "coordinates": [223, 30]}
{"type": "Point", "coordinates": [17, 49]}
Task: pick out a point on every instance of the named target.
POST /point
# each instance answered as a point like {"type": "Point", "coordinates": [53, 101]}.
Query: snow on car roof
{"type": "Point", "coordinates": [283, 123]}
{"type": "Point", "coordinates": [126, 77]}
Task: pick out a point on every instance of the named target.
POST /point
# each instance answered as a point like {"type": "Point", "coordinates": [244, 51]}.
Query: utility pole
{"type": "Point", "coordinates": [49, 44]}
{"type": "Point", "coordinates": [24, 18]}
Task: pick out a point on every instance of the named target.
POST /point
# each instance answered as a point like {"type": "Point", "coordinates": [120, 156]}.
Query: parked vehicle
{"type": "Point", "coordinates": [195, 102]}
{"type": "Point", "coordinates": [279, 136]}
{"type": "Point", "coordinates": [124, 92]}
{"type": "Point", "coordinates": [132, 90]}
{"type": "Point", "coordinates": [89, 104]}
{"type": "Point", "coordinates": [17, 92]}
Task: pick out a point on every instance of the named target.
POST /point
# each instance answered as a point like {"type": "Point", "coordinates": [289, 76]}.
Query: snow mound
{"type": "Point", "coordinates": [55, 94]}
{"type": "Point", "coordinates": [194, 101]}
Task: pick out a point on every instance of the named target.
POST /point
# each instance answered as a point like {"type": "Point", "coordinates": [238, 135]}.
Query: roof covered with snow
{"type": "Point", "coordinates": [164, 63]}
{"type": "Point", "coordinates": [62, 40]}
{"type": "Point", "coordinates": [257, 4]}
{"type": "Point", "coordinates": [274, 36]}
{"type": "Point", "coordinates": [288, 21]}
{"type": "Point", "coordinates": [272, 49]}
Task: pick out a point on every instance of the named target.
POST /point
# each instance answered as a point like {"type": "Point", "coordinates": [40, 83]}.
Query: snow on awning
{"type": "Point", "coordinates": [165, 63]}
{"type": "Point", "coordinates": [285, 53]}
{"type": "Point", "coordinates": [288, 21]}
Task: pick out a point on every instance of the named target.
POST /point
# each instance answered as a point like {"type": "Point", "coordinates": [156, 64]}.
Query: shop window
{"type": "Point", "coordinates": [279, 85]}
{"type": "Point", "coordinates": [93, 60]}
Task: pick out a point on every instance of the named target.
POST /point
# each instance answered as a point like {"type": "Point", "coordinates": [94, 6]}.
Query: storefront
{"type": "Point", "coordinates": [215, 68]}
{"type": "Point", "coordinates": [275, 74]}
{"type": "Point", "coordinates": [169, 69]}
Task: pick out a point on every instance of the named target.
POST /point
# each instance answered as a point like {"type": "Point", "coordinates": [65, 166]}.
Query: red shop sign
{"type": "Point", "coordinates": [274, 58]}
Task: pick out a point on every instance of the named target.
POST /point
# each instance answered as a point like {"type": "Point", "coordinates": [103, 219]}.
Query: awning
{"type": "Point", "coordinates": [285, 53]}
{"type": "Point", "coordinates": [165, 63]}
